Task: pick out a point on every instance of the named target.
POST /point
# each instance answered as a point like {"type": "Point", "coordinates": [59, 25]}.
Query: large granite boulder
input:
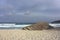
{"type": "Point", "coordinates": [38, 26]}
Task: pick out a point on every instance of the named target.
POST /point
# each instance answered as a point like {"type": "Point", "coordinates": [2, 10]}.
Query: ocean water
{"type": "Point", "coordinates": [54, 24]}
{"type": "Point", "coordinates": [13, 26]}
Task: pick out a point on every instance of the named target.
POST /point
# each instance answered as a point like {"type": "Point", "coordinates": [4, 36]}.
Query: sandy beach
{"type": "Point", "coordinates": [29, 35]}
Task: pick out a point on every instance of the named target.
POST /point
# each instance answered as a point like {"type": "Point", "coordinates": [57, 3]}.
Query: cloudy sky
{"type": "Point", "coordinates": [29, 10]}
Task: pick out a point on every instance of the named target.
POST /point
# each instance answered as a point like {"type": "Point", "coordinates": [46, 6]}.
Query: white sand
{"type": "Point", "coordinates": [29, 35]}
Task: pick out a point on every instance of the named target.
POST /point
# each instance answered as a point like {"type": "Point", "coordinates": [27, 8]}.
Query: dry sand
{"type": "Point", "coordinates": [29, 35]}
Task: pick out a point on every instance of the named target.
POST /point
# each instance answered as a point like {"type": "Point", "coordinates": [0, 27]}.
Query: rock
{"type": "Point", "coordinates": [38, 26]}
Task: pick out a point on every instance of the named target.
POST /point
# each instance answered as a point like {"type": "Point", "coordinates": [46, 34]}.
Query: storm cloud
{"type": "Point", "coordinates": [29, 10]}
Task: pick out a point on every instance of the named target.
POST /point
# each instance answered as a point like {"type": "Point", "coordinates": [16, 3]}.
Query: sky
{"type": "Point", "coordinates": [26, 11]}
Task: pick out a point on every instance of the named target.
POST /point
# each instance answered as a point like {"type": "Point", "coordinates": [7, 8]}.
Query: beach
{"type": "Point", "coordinates": [29, 34]}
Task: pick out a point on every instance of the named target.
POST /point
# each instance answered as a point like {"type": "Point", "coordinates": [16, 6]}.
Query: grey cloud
{"type": "Point", "coordinates": [15, 10]}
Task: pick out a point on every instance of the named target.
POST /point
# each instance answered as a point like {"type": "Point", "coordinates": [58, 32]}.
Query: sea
{"type": "Point", "coordinates": [14, 25]}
